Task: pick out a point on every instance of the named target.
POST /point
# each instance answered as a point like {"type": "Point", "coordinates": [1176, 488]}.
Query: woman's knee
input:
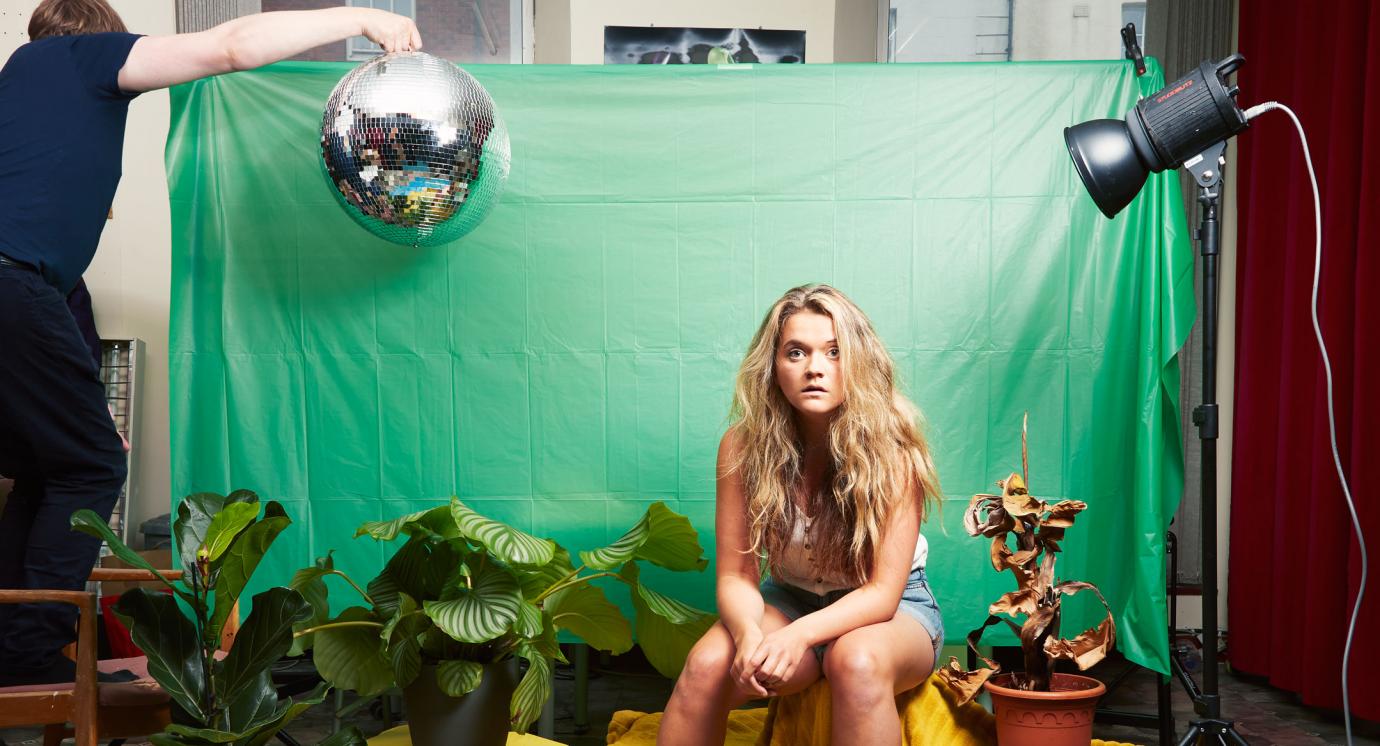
{"type": "Point", "coordinates": [706, 668]}
{"type": "Point", "coordinates": [857, 674]}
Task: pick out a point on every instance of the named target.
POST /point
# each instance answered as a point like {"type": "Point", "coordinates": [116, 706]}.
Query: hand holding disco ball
{"type": "Point", "coordinates": [415, 148]}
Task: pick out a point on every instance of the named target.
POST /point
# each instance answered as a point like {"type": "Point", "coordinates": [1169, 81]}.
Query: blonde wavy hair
{"type": "Point", "coordinates": [879, 456]}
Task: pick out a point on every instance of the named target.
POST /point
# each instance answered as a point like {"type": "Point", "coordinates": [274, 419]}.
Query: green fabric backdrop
{"type": "Point", "coordinates": [572, 359]}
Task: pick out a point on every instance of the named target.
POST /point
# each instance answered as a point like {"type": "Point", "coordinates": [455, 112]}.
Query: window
{"type": "Point", "coordinates": [948, 31]}
{"type": "Point", "coordinates": [1134, 13]}
{"type": "Point", "coordinates": [995, 30]}
{"type": "Point", "coordinates": [463, 31]}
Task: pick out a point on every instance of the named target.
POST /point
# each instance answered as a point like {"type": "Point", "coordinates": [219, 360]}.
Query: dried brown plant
{"type": "Point", "coordinates": [1037, 528]}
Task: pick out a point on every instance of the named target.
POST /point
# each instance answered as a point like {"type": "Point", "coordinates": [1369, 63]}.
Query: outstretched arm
{"type": "Point", "coordinates": [257, 40]}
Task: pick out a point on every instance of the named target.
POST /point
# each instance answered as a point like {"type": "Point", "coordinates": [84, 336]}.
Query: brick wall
{"type": "Point", "coordinates": [449, 29]}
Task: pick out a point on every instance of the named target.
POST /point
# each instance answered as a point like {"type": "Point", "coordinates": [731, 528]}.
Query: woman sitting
{"type": "Point", "coordinates": [823, 480]}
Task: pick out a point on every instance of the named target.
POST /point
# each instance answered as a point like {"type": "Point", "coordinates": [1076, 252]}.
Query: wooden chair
{"type": "Point", "coordinates": [94, 710]}
{"type": "Point", "coordinates": [58, 703]}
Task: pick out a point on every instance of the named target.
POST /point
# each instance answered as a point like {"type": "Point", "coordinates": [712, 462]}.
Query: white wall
{"type": "Point", "coordinates": [587, 19]}
{"type": "Point", "coordinates": [551, 32]}
{"type": "Point", "coordinates": [130, 276]}
{"type": "Point", "coordinates": [855, 30]}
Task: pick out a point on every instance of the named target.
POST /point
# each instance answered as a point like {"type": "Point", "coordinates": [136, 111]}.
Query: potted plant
{"type": "Point", "coordinates": [465, 596]}
{"type": "Point", "coordinates": [1037, 706]}
{"type": "Point", "coordinates": [215, 699]}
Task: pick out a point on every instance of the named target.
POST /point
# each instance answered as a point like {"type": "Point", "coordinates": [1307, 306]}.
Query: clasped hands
{"type": "Point", "coordinates": [762, 663]}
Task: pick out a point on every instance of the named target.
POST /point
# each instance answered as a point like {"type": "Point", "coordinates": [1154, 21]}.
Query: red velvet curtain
{"type": "Point", "coordinates": [1294, 564]}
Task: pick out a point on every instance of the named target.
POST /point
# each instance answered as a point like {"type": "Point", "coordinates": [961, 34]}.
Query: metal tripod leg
{"type": "Point", "coordinates": [1212, 731]}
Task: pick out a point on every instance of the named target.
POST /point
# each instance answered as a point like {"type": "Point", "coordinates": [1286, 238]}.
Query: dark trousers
{"type": "Point", "coordinates": [58, 444]}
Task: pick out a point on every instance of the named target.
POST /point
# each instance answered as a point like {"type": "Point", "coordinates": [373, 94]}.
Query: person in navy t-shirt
{"type": "Point", "coordinates": [63, 100]}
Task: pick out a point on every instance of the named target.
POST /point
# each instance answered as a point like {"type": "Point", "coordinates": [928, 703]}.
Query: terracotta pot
{"type": "Point", "coordinates": [479, 718]}
{"type": "Point", "coordinates": [1054, 718]}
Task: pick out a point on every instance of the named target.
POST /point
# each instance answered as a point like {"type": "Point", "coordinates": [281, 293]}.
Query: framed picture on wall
{"type": "Point", "coordinates": [669, 45]}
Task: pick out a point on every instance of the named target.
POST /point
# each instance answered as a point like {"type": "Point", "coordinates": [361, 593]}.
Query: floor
{"type": "Point", "coordinates": [1264, 716]}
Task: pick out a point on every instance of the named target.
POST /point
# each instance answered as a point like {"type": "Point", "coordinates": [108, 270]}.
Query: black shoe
{"type": "Point", "coordinates": [121, 676]}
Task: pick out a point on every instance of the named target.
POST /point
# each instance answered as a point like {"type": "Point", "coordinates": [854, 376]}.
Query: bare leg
{"type": "Point", "coordinates": [698, 710]}
{"type": "Point", "coordinates": [866, 669]}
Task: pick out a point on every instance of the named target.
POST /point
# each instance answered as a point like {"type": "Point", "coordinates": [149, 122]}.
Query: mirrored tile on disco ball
{"type": "Point", "coordinates": [414, 149]}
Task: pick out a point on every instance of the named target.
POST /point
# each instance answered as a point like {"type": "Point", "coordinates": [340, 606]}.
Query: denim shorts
{"type": "Point", "coordinates": [916, 600]}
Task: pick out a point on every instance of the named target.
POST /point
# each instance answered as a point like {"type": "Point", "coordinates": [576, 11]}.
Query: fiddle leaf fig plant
{"type": "Point", "coordinates": [1036, 527]}
{"type": "Point", "coordinates": [215, 699]}
{"type": "Point", "coordinates": [464, 590]}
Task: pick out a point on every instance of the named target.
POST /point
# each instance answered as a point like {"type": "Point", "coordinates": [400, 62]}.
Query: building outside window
{"type": "Point", "coordinates": [1002, 30]}
{"type": "Point", "coordinates": [465, 31]}
{"type": "Point", "coordinates": [1134, 13]}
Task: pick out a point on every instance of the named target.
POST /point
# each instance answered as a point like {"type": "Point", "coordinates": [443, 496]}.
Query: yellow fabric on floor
{"type": "Point", "coordinates": [930, 716]}
{"type": "Point", "coordinates": [399, 737]}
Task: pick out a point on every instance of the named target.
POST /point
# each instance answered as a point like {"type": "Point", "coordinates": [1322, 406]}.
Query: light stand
{"type": "Point", "coordinates": [1185, 124]}
{"type": "Point", "coordinates": [1209, 727]}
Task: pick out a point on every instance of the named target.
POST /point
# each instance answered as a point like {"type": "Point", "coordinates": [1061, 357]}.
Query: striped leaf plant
{"type": "Point", "coordinates": [464, 590]}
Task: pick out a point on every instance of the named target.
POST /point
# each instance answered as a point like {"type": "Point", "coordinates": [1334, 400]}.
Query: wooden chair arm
{"type": "Point", "coordinates": [131, 574]}
{"type": "Point", "coordinates": [79, 599]}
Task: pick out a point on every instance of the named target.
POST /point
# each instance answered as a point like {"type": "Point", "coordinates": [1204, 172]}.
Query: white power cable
{"type": "Point", "coordinates": [1252, 113]}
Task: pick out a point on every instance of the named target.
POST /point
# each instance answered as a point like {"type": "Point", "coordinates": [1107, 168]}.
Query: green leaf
{"type": "Point", "coordinates": [225, 526]}
{"type": "Point", "coordinates": [532, 692]}
{"type": "Point", "coordinates": [399, 638]}
{"type": "Point", "coordinates": [264, 638]}
{"type": "Point", "coordinates": [458, 678]}
{"type": "Point", "coordinates": [387, 530]}
{"type": "Point", "coordinates": [528, 622]}
{"type": "Point", "coordinates": [481, 613]}
{"type": "Point", "coordinates": [586, 611]}
{"type": "Point", "coordinates": [405, 655]}
{"type": "Point", "coordinates": [188, 734]}
{"type": "Point", "coordinates": [436, 645]}
{"type": "Point", "coordinates": [257, 704]}
{"type": "Point", "coordinates": [157, 626]}
{"type": "Point", "coordinates": [384, 590]}
{"type": "Point", "coordinates": [662, 537]}
{"type": "Point", "coordinates": [668, 608]}
{"type": "Point", "coordinates": [405, 607]}
{"type": "Point", "coordinates": [264, 733]}
{"type": "Point", "coordinates": [422, 567]}
{"type": "Point", "coordinates": [547, 643]}
{"type": "Point", "coordinates": [537, 580]}
{"type": "Point", "coordinates": [238, 563]}
{"type": "Point", "coordinates": [510, 545]}
{"type": "Point", "coordinates": [353, 657]}
{"type": "Point", "coordinates": [666, 628]}
{"type": "Point", "coordinates": [310, 582]}
{"type": "Point", "coordinates": [194, 516]}
{"type": "Point", "coordinates": [422, 524]}
{"type": "Point", "coordinates": [88, 522]}
{"type": "Point", "coordinates": [242, 496]}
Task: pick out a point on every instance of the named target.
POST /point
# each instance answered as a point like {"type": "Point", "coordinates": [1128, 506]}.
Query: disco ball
{"type": "Point", "coordinates": [415, 148]}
